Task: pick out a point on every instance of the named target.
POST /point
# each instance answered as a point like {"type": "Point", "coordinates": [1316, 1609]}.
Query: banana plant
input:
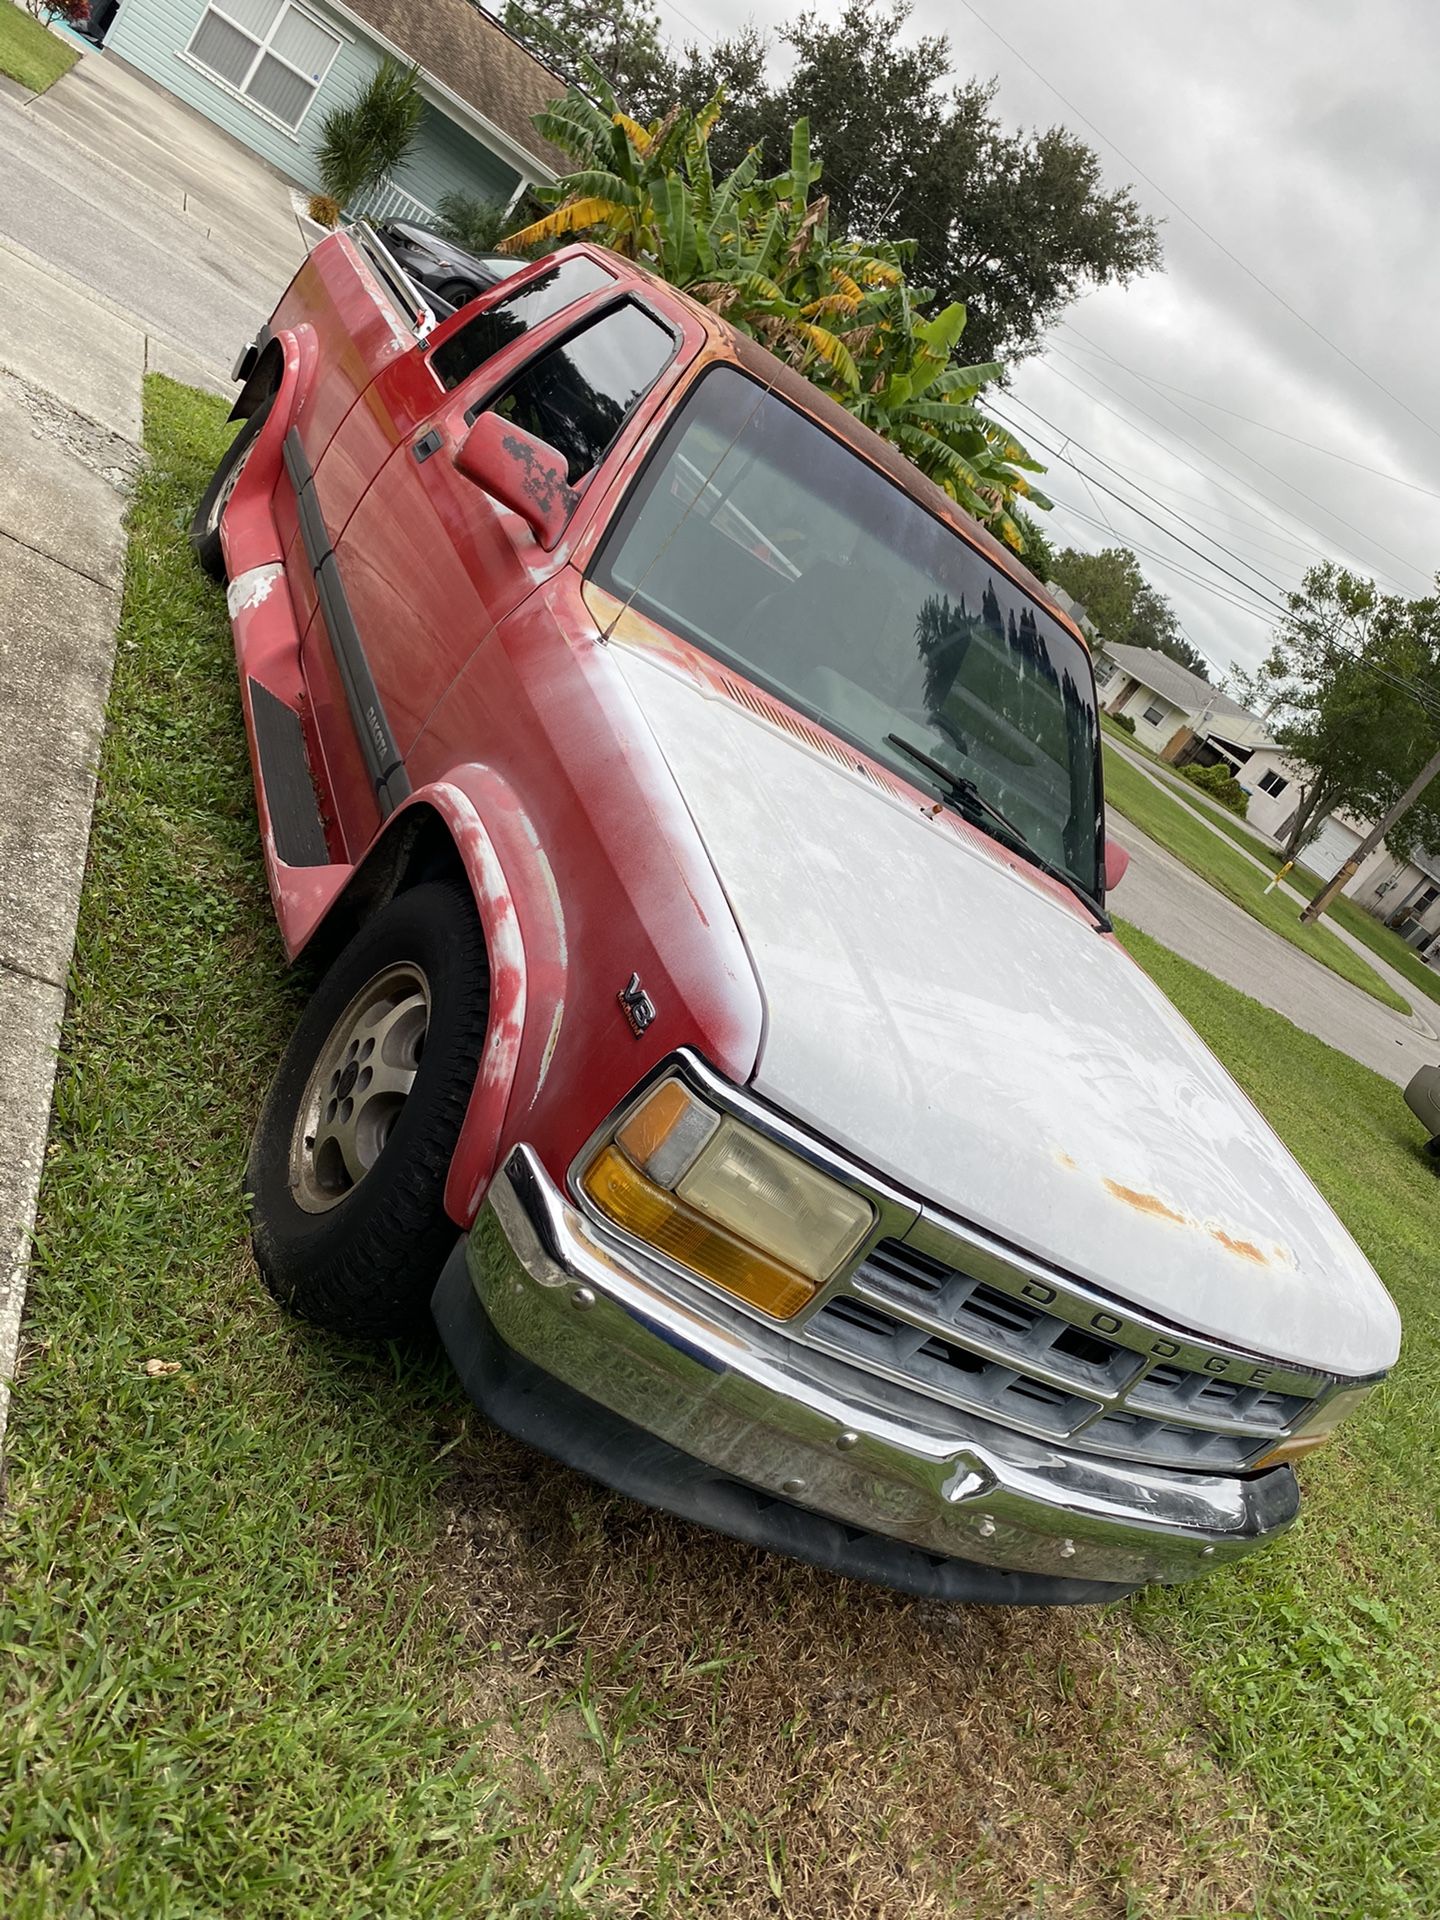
{"type": "Point", "coordinates": [759, 252]}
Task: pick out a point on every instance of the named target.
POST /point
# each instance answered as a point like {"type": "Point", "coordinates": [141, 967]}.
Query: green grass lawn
{"type": "Point", "coordinates": [1130, 793]}
{"type": "Point", "coordinates": [287, 1630]}
{"type": "Point", "coordinates": [1317, 1660]}
{"type": "Point", "coordinates": [28, 52]}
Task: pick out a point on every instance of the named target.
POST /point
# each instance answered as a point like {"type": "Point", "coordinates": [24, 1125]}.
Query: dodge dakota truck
{"type": "Point", "coordinates": [695, 824]}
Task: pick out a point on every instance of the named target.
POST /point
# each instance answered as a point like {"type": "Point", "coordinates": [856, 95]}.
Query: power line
{"type": "Point", "coordinates": [1335, 545]}
{"type": "Point", "coordinates": [1235, 446]}
{"type": "Point", "coordinates": [1169, 533]}
{"type": "Point", "coordinates": [1254, 609]}
{"type": "Point", "coordinates": [1272, 554]}
{"type": "Point", "coordinates": [1170, 454]}
{"type": "Point", "coordinates": [1263, 426]}
{"type": "Point", "coordinates": [1200, 227]}
{"type": "Point", "coordinates": [1421, 695]}
{"type": "Point", "coordinates": [704, 33]}
{"type": "Point", "coordinates": [1278, 606]}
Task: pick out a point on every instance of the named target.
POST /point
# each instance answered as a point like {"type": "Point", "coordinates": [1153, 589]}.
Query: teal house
{"type": "Point", "coordinates": [268, 71]}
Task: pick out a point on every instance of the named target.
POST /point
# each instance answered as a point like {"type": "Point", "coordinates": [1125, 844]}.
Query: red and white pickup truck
{"type": "Point", "coordinates": [698, 820]}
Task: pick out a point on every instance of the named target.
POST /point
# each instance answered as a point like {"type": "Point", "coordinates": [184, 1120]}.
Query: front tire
{"type": "Point", "coordinates": [347, 1171]}
{"type": "Point", "coordinates": [459, 292]}
{"type": "Point", "coordinates": [205, 526]}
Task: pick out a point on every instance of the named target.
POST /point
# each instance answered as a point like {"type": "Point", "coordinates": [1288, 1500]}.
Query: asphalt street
{"type": "Point", "coordinates": [104, 179]}
{"type": "Point", "coordinates": [1167, 901]}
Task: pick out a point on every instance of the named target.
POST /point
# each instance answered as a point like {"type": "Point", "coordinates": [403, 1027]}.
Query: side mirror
{"type": "Point", "coordinates": [523, 473]}
{"type": "Point", "coordinates": [1116, 861]}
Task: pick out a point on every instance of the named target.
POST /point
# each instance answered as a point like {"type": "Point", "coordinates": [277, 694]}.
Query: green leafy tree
{"type": "Point", "coordinates": [1353, 678]}
{"type": "Point", "coordinates": [1124, 606]}
{"type": "Point", "coordinates": [760, 252]}
{"type": "Point", "coordinates": [615, 41]}
{"type": "Point", "coordinates": [365, 140]}
{"type": "Point", "coordinates": [1015, 225]}
{"type": "Point", "coordinates": [1038, 551]}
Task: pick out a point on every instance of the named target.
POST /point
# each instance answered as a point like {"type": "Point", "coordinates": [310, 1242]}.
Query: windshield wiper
{"type": "Point", "coordinates": [968, 797]}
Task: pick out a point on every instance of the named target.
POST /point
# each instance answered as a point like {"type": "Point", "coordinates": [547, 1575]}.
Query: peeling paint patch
{"type": "Point", "coordinates": [252, 589]}
{"type": "Point", "coordinates": [550, 1045]}
{"type": "Point", "coordinates": [1145, 1203]}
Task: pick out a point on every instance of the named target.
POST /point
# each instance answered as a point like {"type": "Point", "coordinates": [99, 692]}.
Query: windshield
{"type": "Point", "coordinates": [765, 541]}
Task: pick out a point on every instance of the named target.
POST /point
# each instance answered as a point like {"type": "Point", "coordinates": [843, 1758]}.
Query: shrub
{"type": "Point", "coordinates": [364, 141]}
{"type": "Point", "coordinates": [324, 210]}
{"type": "Point", "coordinates": [1125, 721]}
{"type": "Point", "coordinates": [478, 225]}
{"type": "Point", "coordinates": [75, 13]}
{"type": "Point", "coordinates": [1220, 783]}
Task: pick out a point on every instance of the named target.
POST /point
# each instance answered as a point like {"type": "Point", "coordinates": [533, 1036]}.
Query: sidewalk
{"type": "Point", "coordinates": [69, 432]}
{"type": "Point", "coordinates": [133, 238]}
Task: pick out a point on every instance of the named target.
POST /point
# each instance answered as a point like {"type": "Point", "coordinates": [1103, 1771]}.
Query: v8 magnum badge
{"type": "Point", "coordinates": [639, 1007]}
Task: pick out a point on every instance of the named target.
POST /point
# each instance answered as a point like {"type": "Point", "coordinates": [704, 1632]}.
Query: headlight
{"type": "Point", "coordinates": [722, 1200]}
{"type": "Point", "coordinates": [1319, 1427]}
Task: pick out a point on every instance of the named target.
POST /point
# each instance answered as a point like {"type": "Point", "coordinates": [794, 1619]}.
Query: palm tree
{"type": "Point", "coordinates": [364, 141]}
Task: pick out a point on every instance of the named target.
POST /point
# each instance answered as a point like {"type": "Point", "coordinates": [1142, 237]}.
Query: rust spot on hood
{"type": "Point", "coordinates": [1145, 1203]}
{"type": "Point", "coordinates": [1245, 1248]}
{"type": "Point", "coordinates": [1151, 1203]}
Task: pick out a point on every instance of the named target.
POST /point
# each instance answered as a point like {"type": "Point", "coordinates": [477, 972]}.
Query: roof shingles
{"type": "Point", "coordinates": [1178, 685]}
{"type": "Point", "coordinates": [471, 54]}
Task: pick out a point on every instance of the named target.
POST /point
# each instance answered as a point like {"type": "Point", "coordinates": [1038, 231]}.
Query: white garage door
{"type": "Point", "coordinates": [1330, 849]}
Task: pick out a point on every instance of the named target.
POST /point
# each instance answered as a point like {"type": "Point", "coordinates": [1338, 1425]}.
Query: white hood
{"type": "Point", "coordinates": [940, 1016]}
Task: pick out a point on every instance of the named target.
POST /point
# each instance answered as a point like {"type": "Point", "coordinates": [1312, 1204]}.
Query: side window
{"type": "Point", "coordinates": [577, 395]}
{"type": "Point", "coordinates": [472, 345]}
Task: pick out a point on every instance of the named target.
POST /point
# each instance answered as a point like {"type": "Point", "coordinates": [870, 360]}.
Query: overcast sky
{"type": "Point", "coordinates": [1304, 135]}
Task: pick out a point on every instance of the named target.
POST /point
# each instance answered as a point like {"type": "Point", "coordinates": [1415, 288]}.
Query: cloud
{"type": "Point", "coordinates": [1302, 136]}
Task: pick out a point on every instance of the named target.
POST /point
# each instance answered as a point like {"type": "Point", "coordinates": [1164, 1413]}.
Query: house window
{"type": "Point", "coordinates": [1272, 783]}
{"type": "Point", "coordinates": [1154, 714]}
{"type": "Point", "coordinates": [269, 51]}
{"type": "Point", "coordinates": [1104, 672]}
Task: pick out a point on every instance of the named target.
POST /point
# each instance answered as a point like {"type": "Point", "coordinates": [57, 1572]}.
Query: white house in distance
{"type": "Point", "coordinates": [1174, 709]}
{"type": "Point", "coordinates": [1186, 721]}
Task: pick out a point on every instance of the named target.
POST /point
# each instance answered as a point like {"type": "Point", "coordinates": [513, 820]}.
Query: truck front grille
{"type": "Point", "coordinates": [1039, 1352]}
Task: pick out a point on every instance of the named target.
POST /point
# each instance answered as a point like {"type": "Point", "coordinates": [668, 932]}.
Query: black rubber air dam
{"type": "Point", "coordinates": [372, 729]}
{"type": "Point", "coordinates": [533, 1406]}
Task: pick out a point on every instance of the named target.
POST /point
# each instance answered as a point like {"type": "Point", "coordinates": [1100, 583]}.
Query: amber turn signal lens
{"type": "Point", "coordinates": [666, 1131]}
{"type": "Point", "coordinates": [624, 1195]}
{"type": "Point", "coordinates": [1315, 1431]}
{"type": "Point", "coordinates": [1292, 1449]}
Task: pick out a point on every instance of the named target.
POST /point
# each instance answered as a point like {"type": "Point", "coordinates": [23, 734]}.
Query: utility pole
{"type": "Point", "coordinates": [1372, 839]}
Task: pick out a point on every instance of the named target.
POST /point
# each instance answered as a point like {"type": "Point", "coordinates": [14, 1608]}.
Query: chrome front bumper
{"type": "Point", "coordinates": [745, 1401]}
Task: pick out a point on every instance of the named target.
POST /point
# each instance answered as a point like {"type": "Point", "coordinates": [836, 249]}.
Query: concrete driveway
{"type": "Point", "coordinates": [132, 237]}
{"type": "Point", "coordinates": [150, 210]}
